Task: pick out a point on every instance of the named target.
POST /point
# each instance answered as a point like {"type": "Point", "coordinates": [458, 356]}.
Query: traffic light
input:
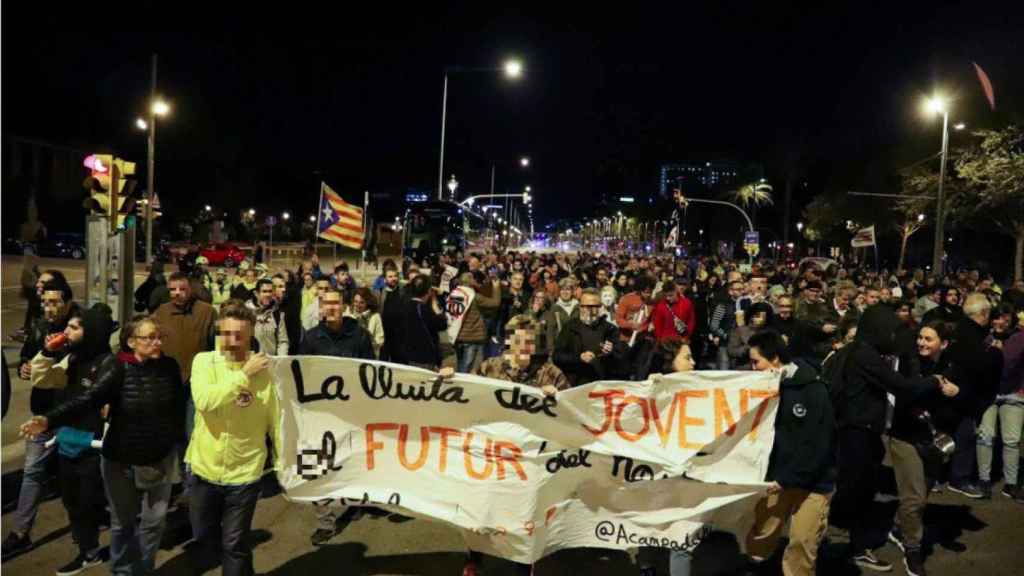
{"type": "Point", "coordinates": [110, 184]}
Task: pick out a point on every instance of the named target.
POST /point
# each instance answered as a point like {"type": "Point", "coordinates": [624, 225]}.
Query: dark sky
{"type": "Point", "coordinates": [265, 99]}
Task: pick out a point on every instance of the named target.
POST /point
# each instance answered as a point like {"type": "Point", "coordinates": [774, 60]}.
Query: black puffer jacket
{"type": "Point", "coordinates": [350, 341]}
{"type": "Point", "coordinates": [147, 408]}
{"type": "Point", "coordinates": [42, 400]}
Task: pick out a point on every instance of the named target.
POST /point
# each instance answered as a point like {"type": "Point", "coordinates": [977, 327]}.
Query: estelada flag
{"type": "Point", "coordinates": [338, 220]}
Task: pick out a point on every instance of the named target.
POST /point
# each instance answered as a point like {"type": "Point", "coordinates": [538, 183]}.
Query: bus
{"type": "Point", "coordinates": [434, 227]}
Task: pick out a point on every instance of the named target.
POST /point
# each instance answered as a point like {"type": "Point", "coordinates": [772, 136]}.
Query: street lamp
{"type": "Point", "coordinates": [252, 211]}
{"type": "Point", "coordinates": [161, 108]}
{"type": "Point", "coordinates": [141, 124]}
{"type": "Point", "coordinates": [938, 105]}
{"type": "Point", "coordinates": [512, 68]}
{"type": "Point", "coordinates": [286, 215]}
{"type": "Point", "coordinates": [208, 208]}
{"type": "Point", "coordinates": [453, 185]}
{"type": "Point", "coordinates": [312, 218]}
{"type": "Point", "coordinates": [524, 162]}
{"type": "Point", "coordinates": [920, 217]}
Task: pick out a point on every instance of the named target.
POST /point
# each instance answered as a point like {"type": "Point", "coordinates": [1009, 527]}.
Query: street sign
{"type": "Point", "coordinates": [752, 242]}
{"type": "Point", "coordinates": [271, 221]}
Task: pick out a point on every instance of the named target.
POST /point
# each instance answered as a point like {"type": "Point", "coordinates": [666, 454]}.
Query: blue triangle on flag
{"type": "Point", "coordinates": [328, 217]}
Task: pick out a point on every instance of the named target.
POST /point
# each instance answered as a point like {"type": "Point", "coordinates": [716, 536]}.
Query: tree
{"type": "Point", "coordinates": [993, 171]}
{"type": "Point", "coordinates": [911, 210]}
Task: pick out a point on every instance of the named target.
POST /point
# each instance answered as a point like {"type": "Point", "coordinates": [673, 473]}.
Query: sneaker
{"type": "Point", "coordinates": [869, 561]}
{"type": "Point", "coordinates": [967, 489]}
{"type": "Point", "coordinates": [985, 487]}
{"type": "Point", "coordinates": [322, 536]}
{"type": "Point", "coordinates": [1010, 491]}
{"type": "Point", "coordinates": [938, 487]}
{"type": "Point", "coordinates": [82, 562]}
{"type": "Point", "coordinates": [896, 537]}
{"type": "Point", "coordinates": [913, 561]}
{"type": "Point", "coordinates": [15, 543]}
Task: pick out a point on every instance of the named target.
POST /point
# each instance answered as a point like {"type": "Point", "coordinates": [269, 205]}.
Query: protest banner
{"type": "Point", "coordinates": [611, 464]}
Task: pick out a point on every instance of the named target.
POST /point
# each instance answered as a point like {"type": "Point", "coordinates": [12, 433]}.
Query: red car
{"type": "Point", "coordinates": [227, 255]}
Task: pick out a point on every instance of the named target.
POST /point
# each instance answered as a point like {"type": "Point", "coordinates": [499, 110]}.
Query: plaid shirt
{"type": "Point", "coordinates": [536, 376]}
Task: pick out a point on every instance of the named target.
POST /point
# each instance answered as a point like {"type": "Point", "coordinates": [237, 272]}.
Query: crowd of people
{"type": "Point", "coordinates": [927, 369]}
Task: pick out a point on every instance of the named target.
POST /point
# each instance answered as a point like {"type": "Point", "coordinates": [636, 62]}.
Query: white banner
{"type": "Point", "coordinates": [455, 309]}
{"type": "Point", "coordinates": [523, 475]}
{"type": "Point", "coordinates": [863, 238]}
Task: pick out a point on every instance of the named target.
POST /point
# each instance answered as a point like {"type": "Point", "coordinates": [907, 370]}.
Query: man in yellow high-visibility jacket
{"type": "Point", "coordinates": [236, 408]}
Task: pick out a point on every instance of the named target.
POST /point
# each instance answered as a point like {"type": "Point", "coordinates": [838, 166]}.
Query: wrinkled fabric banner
{"type": "Point", "coordinates": [611, 464]}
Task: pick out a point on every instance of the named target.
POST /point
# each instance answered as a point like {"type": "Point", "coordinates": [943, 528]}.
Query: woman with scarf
{"type": "Point", "coordinates": [139, 461]}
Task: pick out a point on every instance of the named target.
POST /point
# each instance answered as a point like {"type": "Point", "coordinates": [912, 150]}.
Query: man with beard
{"type": "Point", "coordinates": [588, 348]}
{"type": "Point", "coordinates": [270, 330]}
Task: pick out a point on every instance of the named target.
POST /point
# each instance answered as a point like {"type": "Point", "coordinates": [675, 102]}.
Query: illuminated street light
{"type": "Point", "coordinates": [453, 185]}
{"type": "Point", "coordinates": [920, 217]}
{"type": "Point", "coordinates": [286, 215]}
{"type": "Point", "coordinates": [252, 211]}
{"type": "Point", "coordinates": [208, 208]}
{"type": "Point", "coordinates": [312, 218]}
{"type": "Point", "coordinates": [161, 108]}
{"type": "Point", "coordinates": [513, 68]}
{"type": "Point", "coordinates": [141, 124]}
{"type": "Point", "coordinates": [935, 105]}
{"type": "Point", "coordinates": [959, 126]}
{"type": "Point", "coordinates": [799, 226]}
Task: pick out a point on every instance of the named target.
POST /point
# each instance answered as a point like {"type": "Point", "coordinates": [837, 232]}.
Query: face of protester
{"type": "Point", "coordinates": [622, 281]}
{"type": "Point", "coordinates": [146, 342]}
{"type": "Point", "coordinates": [520, 346]}
{"type": "Point", "coordinates": [785, 309]}
{"type": "Point", "coordinates": [279, 288]}
{"type": "Point", "coordinates": [936, 296]}
{"type": "Point", "coordinates": [762, 364]}
{"type": "Point", "coordinates": [539, 300]}
{"type": "Point", "coordinates": [74, 331]}
{"type": "Point", "coordinates": [250, 276]}
{"type": "Point", "coordinates": [590, 309]}
{"type": "Point", "coordinates": [565, 294]}
{"type": "Point", "coordinates": [235, 336]}
{"type": "Point", "coordinates": [885, 295]}
{"type": "Point", "coordinates": [602, 277]}
{"type": "Point", "coordinates": [929, 345]}
{"type": "Point", "coordinates": [341, 277]}
{"type": "Point", "coordinates": [331, 308]}
{"type": "Point", "coordinates": [735, 290]}
{"type": "Point", "coordinates": [903, 314]}
{"type": "Point", "coordinates": [683, 362]}
{"type": "Point", "coordinates": [358, 304]}
{"type": "Point", "coordinates": [842, 301]}
{"type": "Point", "coordinates": [266, 294]}
{"type": "Point", "coordinates": [474, 264]}
{"type": "Point", "coordinates": [181, 292]}
{"type": "Point", "coordinates": [1001, 323]}
{"type": "Point", "coordinates": [43, 279]}
{"type": "Point", "coordinates": [391, 279]}
{"type": "Point", "coordinates": [54, 306]}
{"type": "Point", "coordinates": [307, 280]}
{"type": "Point", "coordinates": [952, 298]}
{"type": "Point", "coordinates": [321, 287]}
{"type": "Point", "coordinates": [871, 297]}
{"type": "Point", "coordinates": [608, 297]}
{"type": "Point", "coordinates": [517, 281]}
{"type": "Point", "coordinates": [671, 297]}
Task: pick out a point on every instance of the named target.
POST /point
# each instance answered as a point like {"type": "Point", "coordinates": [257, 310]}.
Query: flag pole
{"type": "Point", "coordinates": [366, 210]}
{"type": "Point", "coordinates": [319, 213]}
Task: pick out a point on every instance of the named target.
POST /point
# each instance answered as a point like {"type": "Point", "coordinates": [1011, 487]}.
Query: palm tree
{"type": "Point", "coordinates": [753, 195]}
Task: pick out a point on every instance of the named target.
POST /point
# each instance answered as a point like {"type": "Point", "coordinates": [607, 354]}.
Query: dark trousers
{"type": "Point", "coordinates": [961, 465]}
{"type": "Point", "coordinates": [860, 456]}
{"type": "Point", "coordinates": [221, 518]}
{"type": "Point", "coordinates": [81, 490]}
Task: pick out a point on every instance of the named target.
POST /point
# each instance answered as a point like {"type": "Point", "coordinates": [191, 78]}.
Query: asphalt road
{"type": "Point", "coordinates": [970, 537]}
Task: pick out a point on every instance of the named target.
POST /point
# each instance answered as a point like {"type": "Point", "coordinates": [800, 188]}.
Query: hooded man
{"type": "Point", "coordinates": [71, 361]}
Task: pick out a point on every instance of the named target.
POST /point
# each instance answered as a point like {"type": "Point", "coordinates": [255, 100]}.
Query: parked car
{"type": "Point", "coordinates": [221, 254]}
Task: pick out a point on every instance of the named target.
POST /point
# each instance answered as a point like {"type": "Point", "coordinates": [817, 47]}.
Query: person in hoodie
{"type": "Point", "coordinates": [589, 348]}
{"type": "Point", "coordinates": [139, 456]}
{"type": "Point", "coordinates": [801, 468]}
{"type": "Point", "coordinates": [861, 377]}
{"type": "Point", "coordinates": [71, 361]}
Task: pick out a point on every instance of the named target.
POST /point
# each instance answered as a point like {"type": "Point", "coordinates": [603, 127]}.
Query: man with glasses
{"type": "Point", "coordinates": [588, 348]}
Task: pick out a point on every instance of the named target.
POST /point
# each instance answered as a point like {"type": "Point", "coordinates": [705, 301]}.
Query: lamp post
{"type": "Point", "coordinates": [512, 69]}
{"type": "Point", "coordinates": [938, 105]}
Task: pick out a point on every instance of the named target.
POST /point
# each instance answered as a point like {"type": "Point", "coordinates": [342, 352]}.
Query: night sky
{"type": "Point", "coordinates": [267, 101]}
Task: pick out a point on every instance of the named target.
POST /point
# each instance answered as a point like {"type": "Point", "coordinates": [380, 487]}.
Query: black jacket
{"type": "Point", "coordinates": [577, 338]}
{"type": "Point", "coordinates": [860, 384]}
{"type": "Point", "coordinates": [291, 305]}
{"type": "Point", "coordinates": [147, 408]}
{"type": "Point", "coordinates": [41, 400]}
{"type": "Point", "coordinates": [980, 367]}
{"type": "Point", "coordinates": [418, 341]}
{"type": "Point", "coordinates": [351, 341]}
{"type": "Point", "coordinates": [392, 307]}
{"type": "Point", "coordinates": [803, 455]}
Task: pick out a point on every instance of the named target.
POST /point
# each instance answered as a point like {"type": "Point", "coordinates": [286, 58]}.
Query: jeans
{"type": "Point", "coordinates": [1008, 411]}
{"type": "Point", "coordinates": [495, 338]}
{"type": "Point", "coordinates": [33, 482]}
{"type": "Point", "coordinates": [190, 422]}
{"type": "Point", "coordinates": [134, 539]}
{"type": "Point", "coordinates": [81, 490]}
{"type": "Point", "coordinates": [679, 563]}
{"type": "Point", "coordinates": [964, 456]}
{"type": "Point", "coordinates": [860, 456]}
{"type": "Point", "coordinates": [469, 356]}
{"type": "Point", "coordinates": [221, 518]}
{"type": "Point", "coordinates": [722, 357]}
